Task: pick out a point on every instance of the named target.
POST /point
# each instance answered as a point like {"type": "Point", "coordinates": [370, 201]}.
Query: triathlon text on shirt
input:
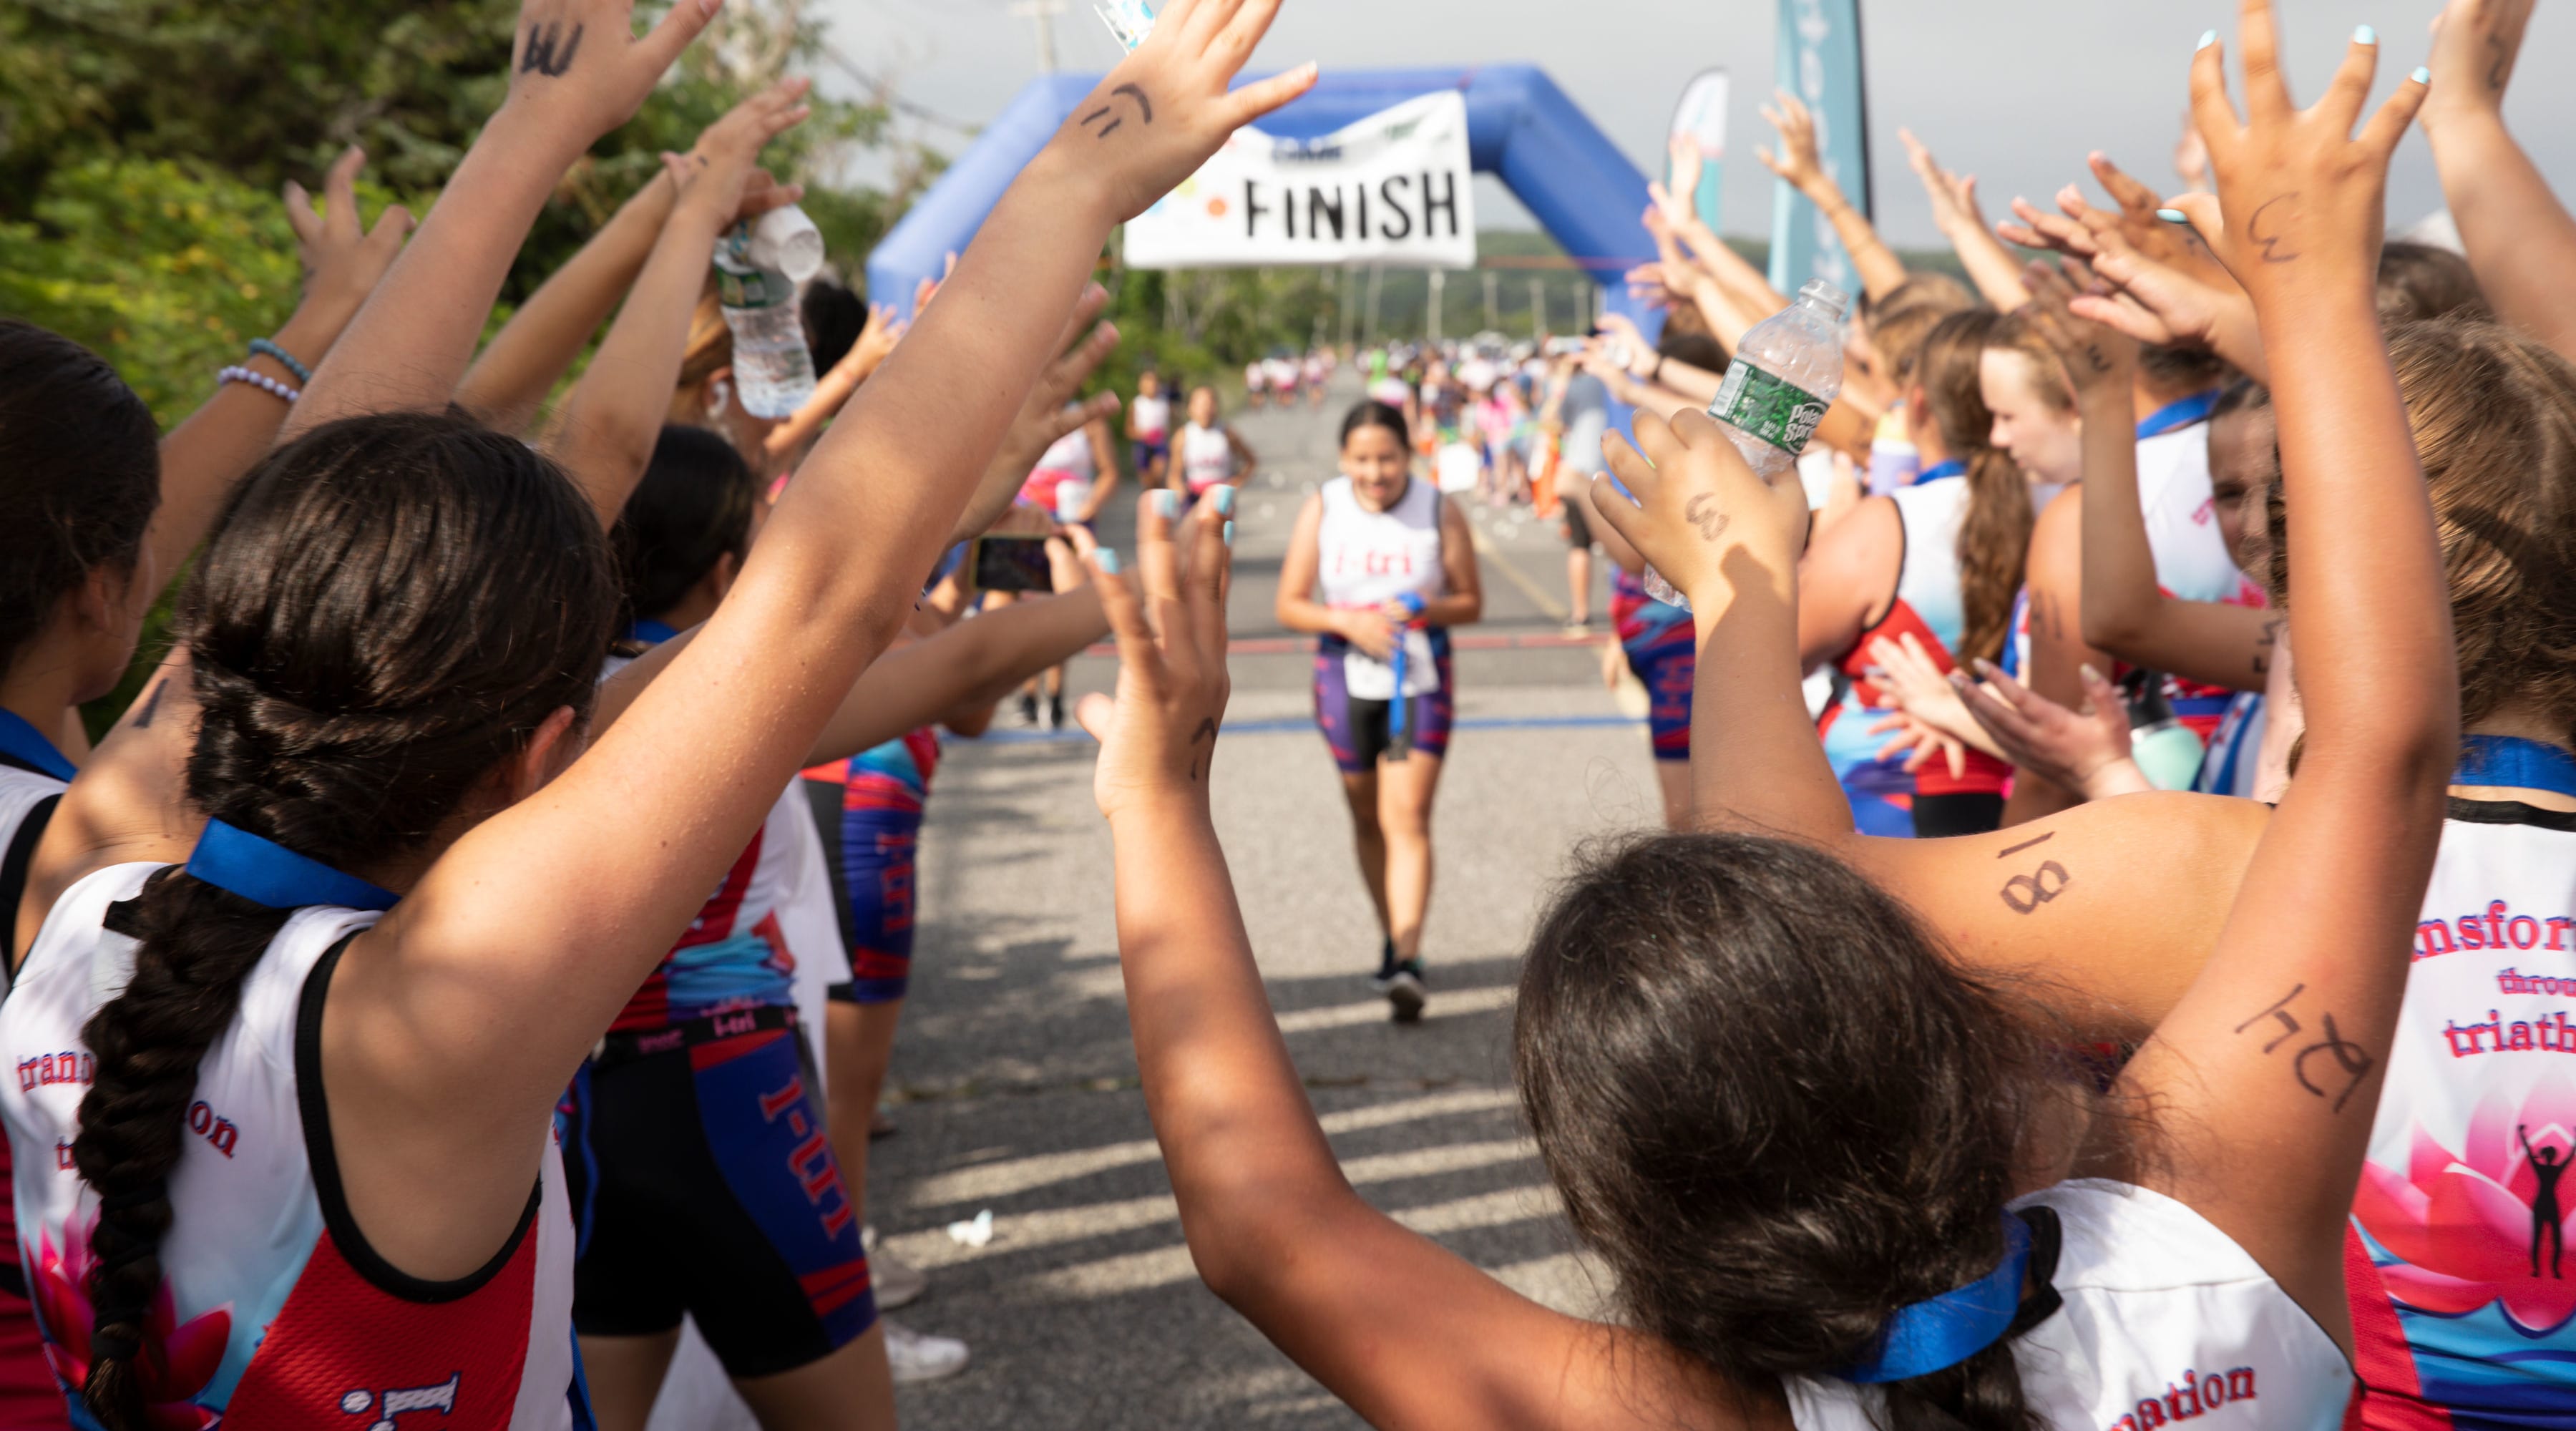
{"type": "Point", "coordinates": [2193, 1397]}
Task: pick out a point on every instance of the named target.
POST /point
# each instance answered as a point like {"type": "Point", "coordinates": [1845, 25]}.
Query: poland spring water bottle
{"type": "Point", "coordinates": [1785, 374]}
{"type": "Point", "coordinates": [757, 270]}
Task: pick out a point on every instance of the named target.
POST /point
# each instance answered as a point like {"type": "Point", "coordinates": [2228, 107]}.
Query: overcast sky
{"type": "Point", "coordinates": [2013, 91]}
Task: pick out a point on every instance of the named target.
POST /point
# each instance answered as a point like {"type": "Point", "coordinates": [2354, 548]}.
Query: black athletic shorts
{"type": "Point", "coordinates": [703, 1182]}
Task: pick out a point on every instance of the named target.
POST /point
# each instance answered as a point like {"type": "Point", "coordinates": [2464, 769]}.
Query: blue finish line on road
{"type": "Point", "coordinates": [1292, 727]}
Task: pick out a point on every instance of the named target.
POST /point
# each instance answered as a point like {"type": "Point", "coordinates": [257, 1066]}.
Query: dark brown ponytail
{"type": "Point", "coordinates": [1994, 533]}
{"type": "Point", "coordinates": [391, 608]}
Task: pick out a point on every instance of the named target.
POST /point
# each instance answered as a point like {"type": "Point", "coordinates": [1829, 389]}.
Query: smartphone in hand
{"type": "Point", "coordinates": [1009, 563]}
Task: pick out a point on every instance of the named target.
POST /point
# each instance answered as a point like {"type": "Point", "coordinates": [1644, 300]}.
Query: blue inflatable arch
{"type": "Point", "coordinates": [1520, 128]}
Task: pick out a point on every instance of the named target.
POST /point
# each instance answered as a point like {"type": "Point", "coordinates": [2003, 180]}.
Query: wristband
{"type": "Point", "coordinates": [262, 381]}
{"type": "Point", "coordinates": [265, 347]}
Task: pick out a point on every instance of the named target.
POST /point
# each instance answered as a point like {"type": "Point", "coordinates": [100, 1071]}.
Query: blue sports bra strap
{"type": "Point", "coordinates": [650, 633]}
{"type": "Point", "coordinates": [2514, 763]}
{"type": "Point", "coordinates": [1949, 1329]}
{"type": "Point", "coordinates": [30, 747]}
{"type": "Point", "coordinates": [266, 872]}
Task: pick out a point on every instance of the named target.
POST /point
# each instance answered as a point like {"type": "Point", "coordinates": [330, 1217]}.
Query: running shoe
{"type": "Point", "coordinates": [881, 1124]}
{"type": "Point", "coordinates": [897, 1283]}
{"type": "Point", "coordinates": [1055, 711]}
{"type": "Point", "coordinates": [918, 1356]}
{"type": "Point", "coordinates": [1028, 708]}
{"type": "Point", "coordinates": [1406, 990]}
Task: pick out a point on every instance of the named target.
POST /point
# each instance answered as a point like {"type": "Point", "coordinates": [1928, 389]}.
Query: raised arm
{"type": "Point", "coordinates": [831, 580]}
{"type": "Point", "coordinates": [2520, 238]}
{"type": "Point", "coordinates": [2147, 293]}
{"type": "Point", "coordinates": [613, 416]}
{"type": "Point", "coordinates": [1879, 268]}
{"type": "Point", "coordinates": [2125, 613]}
{"type": "Point", "coordinates": [1359, 1301]}
{"type": "Point", "coordinates": [204, 455]}
{"type": "Point", "coordinates": [512, 375]}
{"type": "Point", "coordinates": [1990, 265]}
{"type": "Point", "coordinates": [408, 346]}
{"type": "Point", "coordinates": [2261, 1085]}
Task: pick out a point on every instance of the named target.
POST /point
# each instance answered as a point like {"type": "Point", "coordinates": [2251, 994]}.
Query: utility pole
{"type": "Point", "coordinates": [1376, 284]}
{"type": "Point", "coordinates": [1538, 310]}
{"type": "Point", "coordinates": [1493, 301]}
{"type": "Point", "coordinates": [1044, 13]}
{"type": "Point", "coordinates": [1439, 288]}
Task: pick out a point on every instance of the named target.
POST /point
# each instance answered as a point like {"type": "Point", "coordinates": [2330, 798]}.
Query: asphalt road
{"type": "Point", "coordinates": [1016, 1081]}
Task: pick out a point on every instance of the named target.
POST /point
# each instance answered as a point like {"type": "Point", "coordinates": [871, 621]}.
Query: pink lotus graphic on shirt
{"type": "Point", "coordinates": [2487, 1223]}
{"type": "Point", "coordinates": [179, 1358]}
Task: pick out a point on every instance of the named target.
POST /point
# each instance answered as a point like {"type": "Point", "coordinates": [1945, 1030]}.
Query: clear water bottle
{"type": "Point", "coordinates": [1785, 375]}
{"type": "Point", "coordinates": [773, 372]}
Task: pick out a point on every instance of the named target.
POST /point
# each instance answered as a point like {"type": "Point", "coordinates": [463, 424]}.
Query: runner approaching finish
{"type": "Point", "coordinates": [1256, 379]}
{"type": "Point", "coordinates": [1149, 430]}
{"type": "Point", "coordinates": [392, 640]}
{"type": "Point", "coordinates": [1209, 453]}
{"type": "Point", "coordinates": [1380, 566]}
{"type": "Point", "coordinates": [1072, 482]}
{"type": "Point", "coordinates": [1940, 560]}
{"type": "Point", "coordinates": [1950, 1238]}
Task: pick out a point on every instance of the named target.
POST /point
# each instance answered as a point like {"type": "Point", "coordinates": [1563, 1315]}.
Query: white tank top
{"type": "Point", "coordinates": [1207, 457]}
{"type": "Point", "coordinates": [281, 1314]}
{"type": "Point", "coordinates": [2452, 1205]}
{"type": "Point", "coordinates": [1928, 578]}
{"type": "Point", "coordinates": [2182, 517]}
{"type": "Point", "coordinates": [1153, 418]}
{"type": "Point", "coordinates": [1071, 454]}
{"type": "Point", "coordinates": [2166, 1320]}
{"type": "Point", "coordinates": [1366, 558]}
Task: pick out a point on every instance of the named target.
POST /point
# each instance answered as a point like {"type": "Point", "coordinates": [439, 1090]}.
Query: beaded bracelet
{"type": "Point", "coordinates": [268, 347]}
{"type": "Point", "coordinates": [262, 381]}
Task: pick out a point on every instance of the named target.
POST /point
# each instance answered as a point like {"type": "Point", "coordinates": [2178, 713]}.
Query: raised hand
{"type": "Point", "coordinates": [2138, 222]}
{"type": "Point", "coordinates": [1158, 116]}
{"type": "Point", "coordinates": [2095, 356]}
{"type": "Point", "coordinates": [1682, 200]}
{"type": "Point", "coordinates": [2475, 45]}
{"type": "Point", "coordinates": [579, 63]}
{"type": "Point", "coordinates": [1700, 517]}
{"type": "Point", "coordinates": [1796, 161]}
{"type": "Point", "coordinates": [2083, 750]}
{"type": "Point", "coordinates": [2302, 196]}
{"type": "Point", "coordinates": [1158, 743]}
{"type": "Point", "coordinates": [1048, 413]}
{"type": "Point", "coordinates": [718, 178]}
{"type": "Point", "coordinates": [877, 339]}
{"type": "Point", "coordinates": [1954, 197]}
{"type": "Point", "coordinates": [342, 262]}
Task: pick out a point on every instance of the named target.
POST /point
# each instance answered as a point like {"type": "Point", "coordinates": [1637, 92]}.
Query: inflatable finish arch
{"type": "Point", "coordinates": [1520, 128]}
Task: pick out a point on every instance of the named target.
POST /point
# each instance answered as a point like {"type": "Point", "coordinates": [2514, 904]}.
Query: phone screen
{"type": "Point", "coordinates": [1012, 564]}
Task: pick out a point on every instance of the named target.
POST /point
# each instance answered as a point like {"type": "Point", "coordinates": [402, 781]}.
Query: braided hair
{"type": "Point", "coordinates": [390, 609]}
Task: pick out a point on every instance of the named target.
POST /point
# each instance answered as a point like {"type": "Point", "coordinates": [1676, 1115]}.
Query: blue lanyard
{"type": "Point", "coordinates": [268, 873]}
{"type": "Point", "coordinates": [2178, 414]}
{"type": "Point", "coordinates": [1940, 472]}
{"type": "Point", "coordinates": [650, 633]}
{"type": "Point", "coordinates": [2513, 763]}
{"type": "Point", "coordinates": [26, 743]}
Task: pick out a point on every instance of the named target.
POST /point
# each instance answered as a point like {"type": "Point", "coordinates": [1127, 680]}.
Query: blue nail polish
{"type": "Point", "coordinates": [1229, 534]}
{"type": "Point", "coordinates": [2173, 216]}
{"type": "Point", "coordinates": [1223, 497]}
{"type": "Point", "coordinates": [1108, 561]}
{"type": "Point", "coordinates": [1167, 504]}
{"type": "Point", "coordinates": [2207, 39]}
{"type": "Point", "coordinates": [2421, 75]}
{"type": "Point", "coordinates": [2364, 35]}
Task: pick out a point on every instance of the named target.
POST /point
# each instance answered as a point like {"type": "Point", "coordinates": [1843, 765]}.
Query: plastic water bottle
{"type": "Point", "coordinates": [1784, 377]}
{"type": "Point", "coordinates": [756, 278]}
{"type": "Point", "coordinates": [2168, 753]}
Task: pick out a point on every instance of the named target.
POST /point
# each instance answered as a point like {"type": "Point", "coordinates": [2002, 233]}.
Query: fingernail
{"type": "Point", "coordinates": [2364, 35]}
{"type": "Point", "coordinates": [2087, 667]}
{"type": "Point", "coordinates": [1108, 561]}
{"type": "Point", "coordinates": [1229, 534]}
{"type": "Point", "coordinates": [1167, 504]}
{"type": "Point", "coordinates": [2173, 216]}
{"type": "Point", "coordinates": [2207, 39]}
{"type": "Point", "coordinates": [2421, 75]}
{"type": "Point", "coordinates": [1223, 497]}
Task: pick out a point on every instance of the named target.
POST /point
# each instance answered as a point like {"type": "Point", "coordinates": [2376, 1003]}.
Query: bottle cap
{"type": "Point", "coordinates": [1827, 297]}
{"type": "Point", "coordinates": [786, 241]}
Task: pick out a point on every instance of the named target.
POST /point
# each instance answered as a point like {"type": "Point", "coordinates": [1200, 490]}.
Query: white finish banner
{"type": "Point", "coordinates": [1396, 188]}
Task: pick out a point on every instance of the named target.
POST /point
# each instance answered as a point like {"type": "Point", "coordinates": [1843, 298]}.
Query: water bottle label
{"type": "Point", "coordinates": [1768, 406]}
{"type": "Point", "coordinates": [757, 288]}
